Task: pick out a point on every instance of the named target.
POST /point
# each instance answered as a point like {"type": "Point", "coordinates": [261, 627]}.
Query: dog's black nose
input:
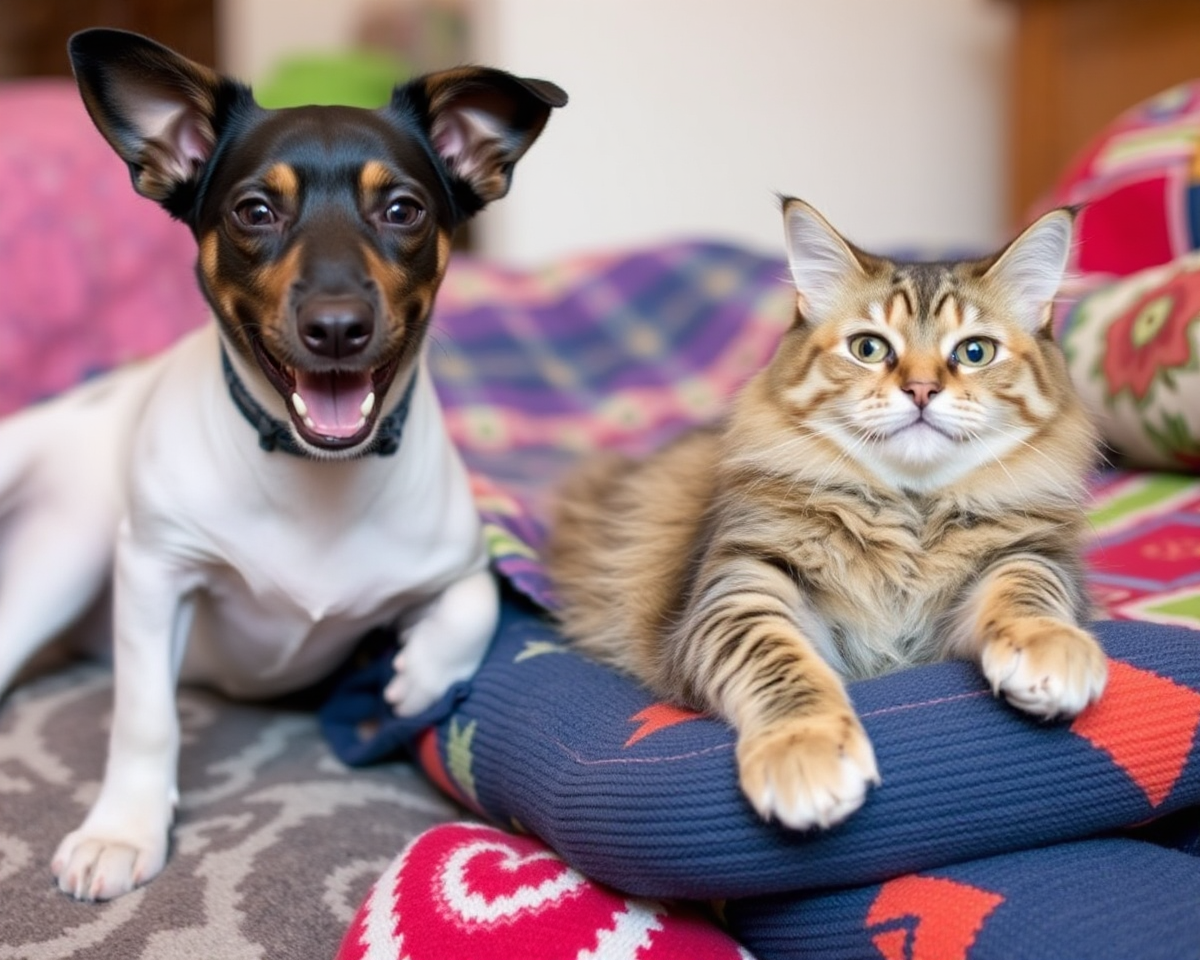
{"type": "Point", "coordinates": [336, 327]}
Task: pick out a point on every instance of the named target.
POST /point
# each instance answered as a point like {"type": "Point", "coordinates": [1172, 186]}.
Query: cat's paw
{"type": "Point", "coordinates": [809, 772]}
{"type": "Point", "coordinates": [1045, 667]}
{"type": "Point", "coordinates": [89, 866]}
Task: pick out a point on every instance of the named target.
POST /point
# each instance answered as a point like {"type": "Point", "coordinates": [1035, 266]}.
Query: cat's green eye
{"type": "Point", "coordinates": [869, 349]}
{"type": "Point", "coordinates": [976, 352]}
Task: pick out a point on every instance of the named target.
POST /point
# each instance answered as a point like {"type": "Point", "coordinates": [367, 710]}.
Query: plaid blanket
{"type": "Point", "coordinates": [622, 351]}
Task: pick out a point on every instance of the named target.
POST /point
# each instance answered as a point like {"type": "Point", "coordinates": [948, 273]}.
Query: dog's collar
{"type": "Point", "coordinates": [276, 435]}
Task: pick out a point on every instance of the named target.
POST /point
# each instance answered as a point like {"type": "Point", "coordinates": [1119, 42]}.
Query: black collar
{"type": "Point", "coordinates": [275, 435]}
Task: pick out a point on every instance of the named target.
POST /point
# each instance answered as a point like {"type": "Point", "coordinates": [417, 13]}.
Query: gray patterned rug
{"type": "Point", "coordinates": [275, 842]}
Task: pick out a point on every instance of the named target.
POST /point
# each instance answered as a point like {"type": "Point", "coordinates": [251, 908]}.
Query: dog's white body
{"type": "Point", "coordinates": [249, 571]}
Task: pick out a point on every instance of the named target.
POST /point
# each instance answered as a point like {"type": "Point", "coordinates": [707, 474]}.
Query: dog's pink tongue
{"type": "Point", "coordinates": [333, 401]}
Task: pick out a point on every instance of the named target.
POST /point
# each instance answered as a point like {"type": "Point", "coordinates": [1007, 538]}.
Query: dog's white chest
{"type": "Point", "coordinates": [287, 601]}
{"type": "Point", "coordinates": [256, 638]}
{"type": "Point", "coordinates": [288, 561]}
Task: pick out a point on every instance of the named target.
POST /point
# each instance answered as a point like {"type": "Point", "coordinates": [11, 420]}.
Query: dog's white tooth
{"type": "Point", "coordinates": [368, 405]}
{"type": "Point", "coordinates": [300, 405]}
{"type": "Point", "coordinates": [361, 422]}
{"type": "Point", "coordinates": [309, 423]}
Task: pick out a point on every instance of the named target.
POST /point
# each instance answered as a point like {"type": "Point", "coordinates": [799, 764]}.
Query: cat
{"type": "Point", "coordinates": [902, 483]}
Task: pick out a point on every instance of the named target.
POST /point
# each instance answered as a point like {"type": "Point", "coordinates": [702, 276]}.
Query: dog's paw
{"type": "Point", "coordinates": [809, 772]}
{"type": "Point", "coordinates": [93, 867]}
{"type": "Point", "coordinates": [1045, 667]}
{"type": "Point", "coordinates": [412, 690]}
{"type": "Point", "coordinates": [446, 646]}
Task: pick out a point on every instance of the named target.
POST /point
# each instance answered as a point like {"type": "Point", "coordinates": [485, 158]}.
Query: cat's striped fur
{"type": "Point", "coordinates": [865, 505]}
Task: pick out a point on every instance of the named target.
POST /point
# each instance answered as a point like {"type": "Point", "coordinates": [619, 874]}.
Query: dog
{"type": "Point", "coordinates": [281, 480]}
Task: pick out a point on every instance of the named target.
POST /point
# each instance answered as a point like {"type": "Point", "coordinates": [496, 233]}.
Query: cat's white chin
{"type": "Point", "coordinates": [919, 457]}
{"type": "Point", "coordinates": [920, 444]}
{"type": "Point", "coordinates": [924, 458]}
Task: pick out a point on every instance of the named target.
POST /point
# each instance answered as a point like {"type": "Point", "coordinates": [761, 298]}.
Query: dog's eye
{"type": "Point", "coordinates": [254, 213]}
{"type": "Point", "coordinates": [403, 212]}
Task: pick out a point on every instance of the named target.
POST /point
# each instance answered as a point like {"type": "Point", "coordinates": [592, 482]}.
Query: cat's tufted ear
{"type": "Point", "coordinates": [481, 121]}
{"type": "Point", "coordinates": [1030, 270]}
{"type": "Point", "coordinates": [821, 260]}
{"type": "Point", "coordinates": [160, 111]}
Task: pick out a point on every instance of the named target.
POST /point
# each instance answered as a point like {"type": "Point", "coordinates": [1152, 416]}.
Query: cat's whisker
{"type": "Point", "coordinates": [1029, 446]}
{"type": "Point", "coordinates": [776, 463]}
{"type": "Point", "coordinates": [845, 455]}
{"type": "Point", "coordinates": [1050, 470]}
{"type": "Point", "coordinates": [1077, 500]}
{"type": "Point", "coordinates": [1052, 476]}
{"type": "Point", "coordinates": [977, 438]}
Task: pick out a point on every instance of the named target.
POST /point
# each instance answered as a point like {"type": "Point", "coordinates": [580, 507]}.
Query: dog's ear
{"type": "Point", "coordinates": [160, 111]}
{"type": "Point", "coordinates": [481, 121]}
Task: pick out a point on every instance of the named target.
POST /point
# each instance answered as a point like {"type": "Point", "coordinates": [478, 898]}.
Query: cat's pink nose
{"type": "Point", "coordinates": [921, 391]}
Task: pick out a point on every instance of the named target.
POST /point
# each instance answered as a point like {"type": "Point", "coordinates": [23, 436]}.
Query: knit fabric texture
{"type": "Point", "coordinates": [472, 891]}
{"type": "Point", "coordinates": [1104, 899]}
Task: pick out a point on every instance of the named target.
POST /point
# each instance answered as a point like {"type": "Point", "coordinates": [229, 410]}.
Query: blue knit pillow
{"type": "Point", "coordinates": [1103, 899]}
{"type": "Point", "coordinates": [644, 796]}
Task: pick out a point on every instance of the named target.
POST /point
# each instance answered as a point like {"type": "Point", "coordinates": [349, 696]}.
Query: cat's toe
{"type": "Point", "coordinates": [811, 772]}
{"type": "Point", "coordinates": [1045, 667]}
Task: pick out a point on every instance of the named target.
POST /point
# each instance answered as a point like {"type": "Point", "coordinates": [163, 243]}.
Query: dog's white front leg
{"type": "Point", "coordinates": [123, 841]}
{"type": "Point", "coordinates": [446, 645]}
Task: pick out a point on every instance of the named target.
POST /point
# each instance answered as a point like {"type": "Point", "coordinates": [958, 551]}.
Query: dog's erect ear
{"type": "Point", "coordinates": [159, 110]}
{"type": "Point", "coordinates": [481, 121]}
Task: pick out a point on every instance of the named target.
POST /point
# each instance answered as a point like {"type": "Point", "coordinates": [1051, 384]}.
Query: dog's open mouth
{"type": "Point", "coordinates": [331, 409]}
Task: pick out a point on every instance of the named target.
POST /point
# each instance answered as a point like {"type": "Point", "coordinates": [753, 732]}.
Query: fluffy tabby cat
{"type": "Point", "coordinates": [901, 484]}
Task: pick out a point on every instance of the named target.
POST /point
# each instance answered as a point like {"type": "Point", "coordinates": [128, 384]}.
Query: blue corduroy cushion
{"type": "Point", "coordinates": [644, 797]}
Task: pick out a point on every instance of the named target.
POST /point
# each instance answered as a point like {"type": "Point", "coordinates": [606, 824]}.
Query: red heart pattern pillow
{"type": "Point", "coordinates": [471, 891]}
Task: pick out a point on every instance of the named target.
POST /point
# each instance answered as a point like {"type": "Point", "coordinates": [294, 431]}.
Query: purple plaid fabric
{"type": "Point", "coordinates": [620, 351]}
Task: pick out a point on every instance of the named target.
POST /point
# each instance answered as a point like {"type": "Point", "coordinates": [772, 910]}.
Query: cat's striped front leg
{"type": "Point", "coordinates": [803, 756]}
{"type": "Point", "coordinates": [1019, 623]}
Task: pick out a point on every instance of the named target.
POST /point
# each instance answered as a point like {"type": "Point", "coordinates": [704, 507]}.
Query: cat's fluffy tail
{"type": "Point", "coordinates": [583, 532]}
{"type": "Point", "coordinates": [622, 547]}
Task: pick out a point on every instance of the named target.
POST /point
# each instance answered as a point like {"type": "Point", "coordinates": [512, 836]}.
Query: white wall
{"type": "Point", "coordinates": [687, 115]}
{"type": "Point", "coordinates": [252, 35]}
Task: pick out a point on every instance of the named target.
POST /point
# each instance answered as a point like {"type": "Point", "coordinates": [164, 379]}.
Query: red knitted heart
{"type": "Point", "coordinates": [464, 890]}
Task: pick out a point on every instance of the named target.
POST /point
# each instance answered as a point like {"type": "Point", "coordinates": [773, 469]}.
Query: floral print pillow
{"type": "Point", "coordinates": [1132, 349]}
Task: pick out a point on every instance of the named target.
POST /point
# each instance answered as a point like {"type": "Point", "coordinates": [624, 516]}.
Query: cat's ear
{"type": "Point", "coordinates": [1030, 270]}
{"type": "Point", "coordinates": [821, 260]}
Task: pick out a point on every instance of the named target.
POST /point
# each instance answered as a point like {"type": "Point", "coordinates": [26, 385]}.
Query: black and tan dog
{"type": "Point", "coordinates": [280, 480]}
